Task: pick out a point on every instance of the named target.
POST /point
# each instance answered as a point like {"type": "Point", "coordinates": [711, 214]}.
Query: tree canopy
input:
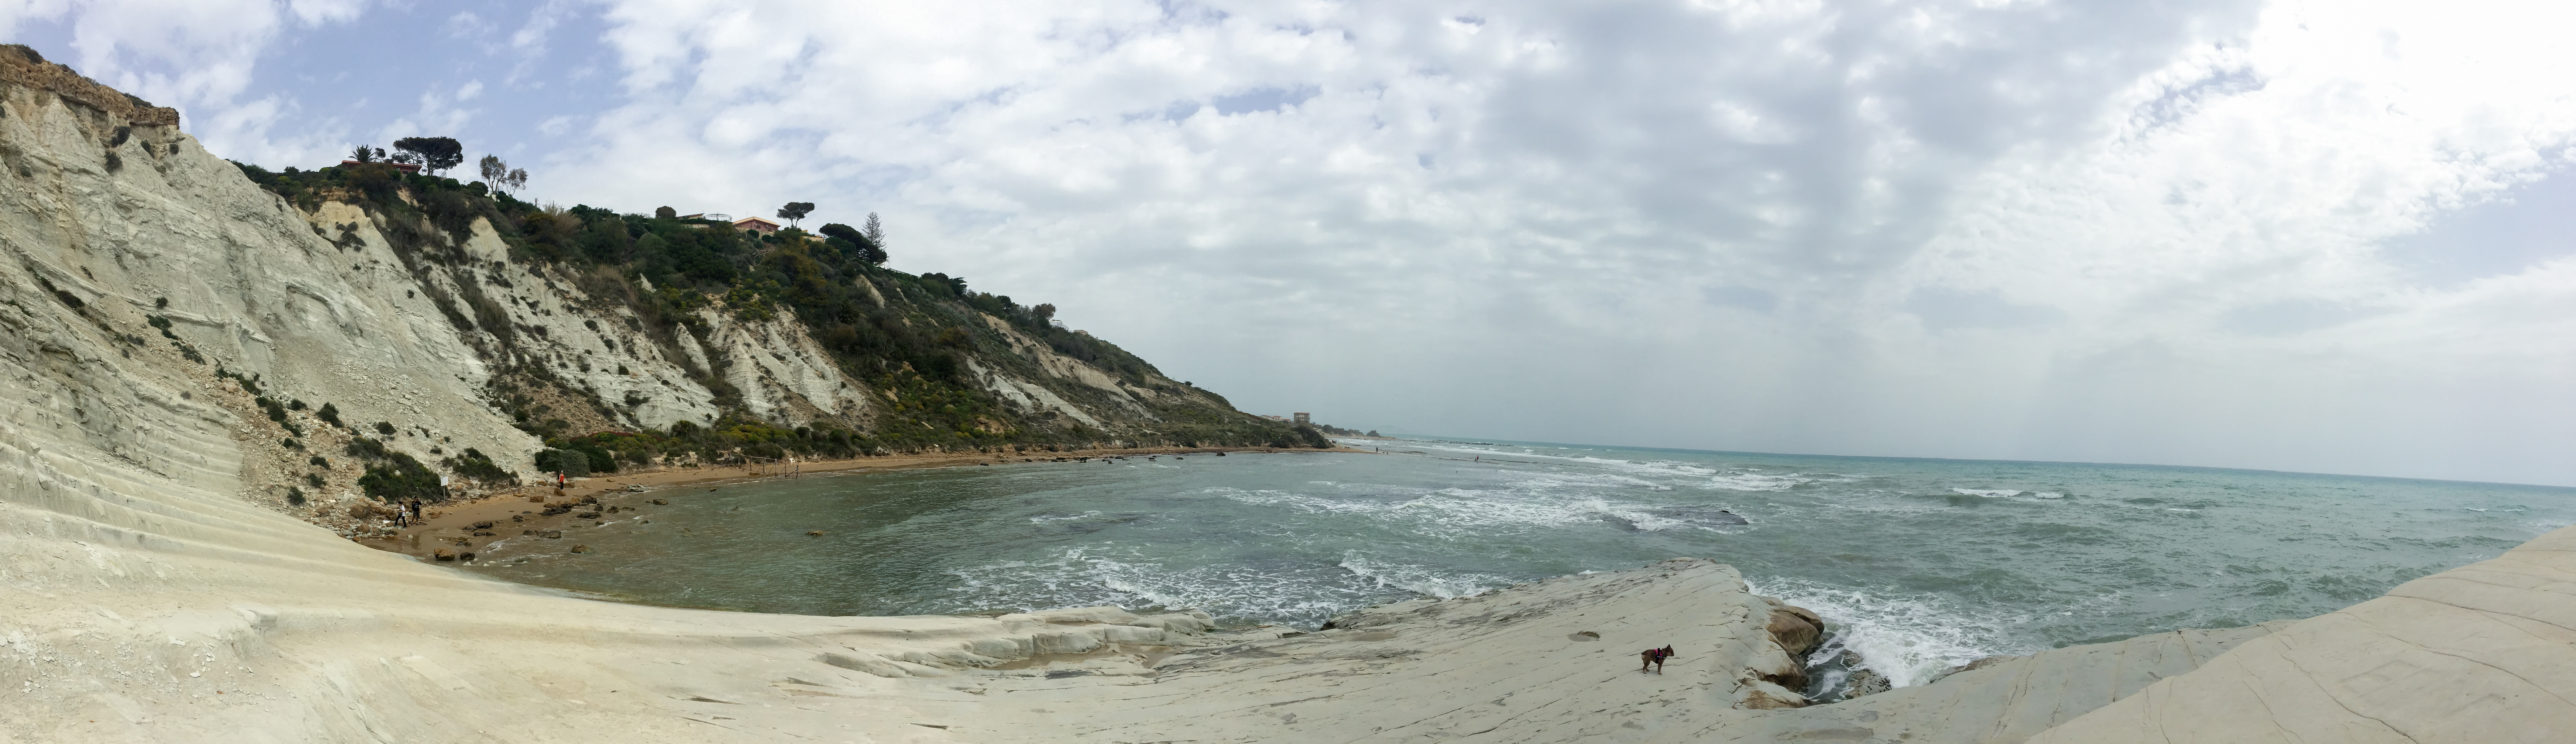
{"type": "Point", "coordinates": [500, 176]}
{"type": "Point", "coordinates": [850, 242]}
{"type": "Point", "coordinates": [433, 153]}
{"type": "Point", "coordinates": [795, 211]}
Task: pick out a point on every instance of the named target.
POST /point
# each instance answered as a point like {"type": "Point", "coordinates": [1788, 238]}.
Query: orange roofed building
{"type": "Point", "coordinates": [755, 224]}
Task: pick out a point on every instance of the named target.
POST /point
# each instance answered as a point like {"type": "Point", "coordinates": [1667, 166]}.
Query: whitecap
{"type": "Point", "coordinates": [1110, 575]}
{"type": "Point", "coordinates": [1418, 579]}
{"type": "Point", "coordinates": [1752, 481]}
{"type": "Point", "coordinates": [1993, 493]}
{"type": "Point", "coordinates": [1908, 637]}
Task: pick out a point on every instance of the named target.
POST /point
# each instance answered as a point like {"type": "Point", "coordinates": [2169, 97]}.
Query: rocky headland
{"type": "Point", "coordinates": [166, 578]}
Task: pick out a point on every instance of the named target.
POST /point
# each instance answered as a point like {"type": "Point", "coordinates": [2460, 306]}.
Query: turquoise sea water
{"type": "Point", "coordinates": [1918, 564]}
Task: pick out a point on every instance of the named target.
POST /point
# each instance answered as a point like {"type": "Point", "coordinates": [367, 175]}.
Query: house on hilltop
{"type": "Point", "coordinates": [753, 224]}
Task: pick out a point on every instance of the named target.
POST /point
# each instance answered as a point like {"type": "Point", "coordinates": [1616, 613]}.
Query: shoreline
{"type": "Point", "coordinates": [447, 523]}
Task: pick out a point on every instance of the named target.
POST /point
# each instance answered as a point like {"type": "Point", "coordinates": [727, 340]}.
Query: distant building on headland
{"type": "Point", "coordinates": [748, 224]}
{"type": "Point", "coordinates": [1304, 420]}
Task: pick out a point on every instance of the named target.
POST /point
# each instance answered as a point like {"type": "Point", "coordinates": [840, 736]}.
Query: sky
{"type": "Point", "coordinates": [2325, 237]}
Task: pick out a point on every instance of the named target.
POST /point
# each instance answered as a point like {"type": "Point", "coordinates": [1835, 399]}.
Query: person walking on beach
{"type": "Point", "coordinates": [415, 510]}
{"type": "Point", "coordinates": [1654, 657]}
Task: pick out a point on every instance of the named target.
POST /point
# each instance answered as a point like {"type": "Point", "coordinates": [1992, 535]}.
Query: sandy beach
{"type": "Point", "coordinates": [450, 526]}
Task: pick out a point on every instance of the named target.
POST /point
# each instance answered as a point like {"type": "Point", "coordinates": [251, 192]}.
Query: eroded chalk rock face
{"type": "Point", "coordinates": [1980, 663]}
{"type": "Point", "coordinates": [1553, 660]}
{"type": "Point", "coordinates": [2008, 699]}
{"type": "Point", "coordinates": [2481, 653]}
{"type": "Point", "coordinates": [1796, 628]}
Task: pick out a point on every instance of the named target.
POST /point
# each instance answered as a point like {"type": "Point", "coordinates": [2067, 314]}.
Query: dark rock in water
{"type": "Point", "coordinates": [518, 517]}
{"type": "Point", "coordinates": [1699, 514]}
{"type": "Point", "coordinates": [1865, 682]}
{"type": "Point", "coordinates": [813, 533]}
{"type": "Point", "coordinates": [661, 502]}
{"type": "Point", "coordinates": [465, 556]}
{"type": "Point", "coordinates": [1220, 454]}
{"type": "Point", "coordinates": [483, 525]}
{"type": "Point", "coordinates": [551, 534]}
{"type": "Point", "coordinates": [484, 533]}
{"type": "Point", "coordinates": [581, 548]}
{"type": "Point", "coordinates": [443, 554]}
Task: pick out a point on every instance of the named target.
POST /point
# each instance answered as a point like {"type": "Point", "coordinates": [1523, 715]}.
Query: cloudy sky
{"type": "Point", "coordinates": [2325, 236]}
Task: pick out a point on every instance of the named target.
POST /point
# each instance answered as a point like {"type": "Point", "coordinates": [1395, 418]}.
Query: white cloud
{"type": "Point", "coordinates": [198, 56]}
{"type": "Point", "coordinates": [2120, 231]}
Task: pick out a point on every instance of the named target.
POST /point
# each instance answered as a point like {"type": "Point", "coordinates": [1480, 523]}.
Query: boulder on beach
{"type": "Point", "coordinates": [1795, 628]}
{"type": "Point", "coordinates": [1865, 682]}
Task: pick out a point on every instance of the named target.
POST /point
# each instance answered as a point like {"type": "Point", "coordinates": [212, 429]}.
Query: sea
{"type": "Point", "coordinates": [1917, 565]}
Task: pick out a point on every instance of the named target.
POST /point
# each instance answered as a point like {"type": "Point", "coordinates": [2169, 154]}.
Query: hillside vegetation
{"type": "Point", "coordinates": [946, 367]}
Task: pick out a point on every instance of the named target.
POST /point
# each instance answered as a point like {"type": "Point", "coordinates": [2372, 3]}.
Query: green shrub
{"type": "Point", "coordinates": [477, 466]}
{"type": "Point", "coordinates": [571, 463]}
{"type": "Point", "coordinates": [368, 449]}
{"type": "Point", "coordinates": [401, 477]}
{"type": "Point", "coordinates": [330, 414]}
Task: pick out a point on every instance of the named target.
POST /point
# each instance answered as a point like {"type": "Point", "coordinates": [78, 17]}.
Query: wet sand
{"type": "Point", "coordinates": [449, 526]}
